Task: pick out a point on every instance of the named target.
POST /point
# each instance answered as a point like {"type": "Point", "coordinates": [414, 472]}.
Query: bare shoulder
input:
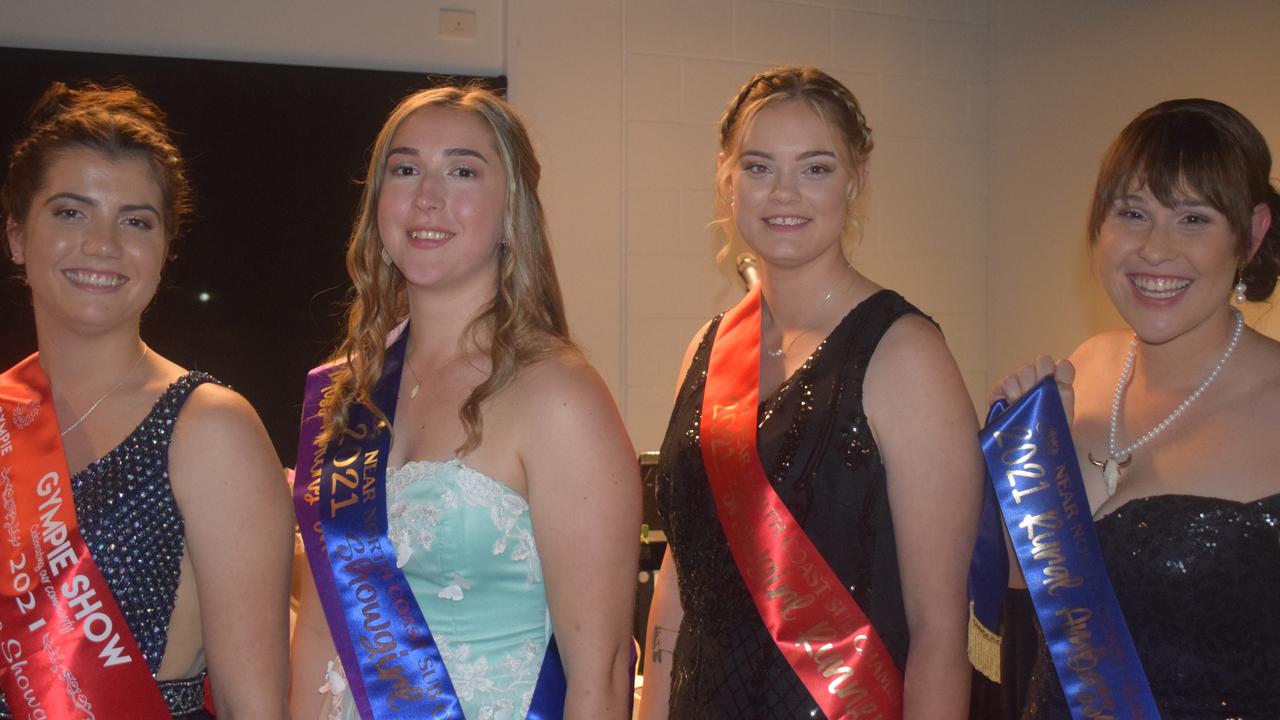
{"type": "Point", "coordinates": [560, 392]}
{"type": "Point", "coordinates": [911, 376]}
{"type": "Point", "coordinates": [1100, 349]}
{"type": "Point", "coordinates": [218, 436]}
{"type": "Point", "coordinates": [218, 411]}
{"type": "Point", "coordinates": [912, 344]}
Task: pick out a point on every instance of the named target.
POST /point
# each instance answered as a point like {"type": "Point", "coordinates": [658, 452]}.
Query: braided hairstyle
{"type": "Point", "coordinates": [826, 96]}
{"type": "Point", "coordinates": [1205, 149]}
{"type": "Point", "coordinates": [117, 121]}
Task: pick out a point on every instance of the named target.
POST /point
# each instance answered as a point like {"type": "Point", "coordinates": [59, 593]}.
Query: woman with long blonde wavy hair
{"type": "Point", "coordinates": [465, 483]}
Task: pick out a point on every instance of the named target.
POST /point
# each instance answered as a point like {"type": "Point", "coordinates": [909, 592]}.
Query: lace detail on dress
{"type": "Point", "coordinates": [465, 543]}
{"type": "Point", "coordinates": [1198, 580]}
{"type": "Point", "coordinates": [417, 521]}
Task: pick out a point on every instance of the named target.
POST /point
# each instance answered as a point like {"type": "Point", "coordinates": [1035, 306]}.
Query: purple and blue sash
{"type": "Point", "coordinates": [392, 663]}
{"type": "Point", "coordinates": [1036, 481]}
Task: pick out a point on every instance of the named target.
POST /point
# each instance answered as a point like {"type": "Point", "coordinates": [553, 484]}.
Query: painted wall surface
{"type": "Point", "coordinates": [1065, 79]}
{"type": "Point", "coordinates": [381, 35]}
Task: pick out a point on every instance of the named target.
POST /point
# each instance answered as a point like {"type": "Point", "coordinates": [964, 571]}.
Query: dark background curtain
{"type": "Point", "coordinates": [276, 154]}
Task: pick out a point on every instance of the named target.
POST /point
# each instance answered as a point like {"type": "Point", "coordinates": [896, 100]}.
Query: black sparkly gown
{"type": "Point", "coordinates": [1198, 580]}
{"type": "Point", "coordinates": [135, 534]}
{"type": "Point", "coordinates": [817, 450]}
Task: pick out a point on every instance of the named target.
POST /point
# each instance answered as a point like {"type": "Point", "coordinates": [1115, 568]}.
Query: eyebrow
{"type": "Point", "coordinates": [1189, 203]}
{"type": "Point", "coordinates": [134, 207]}
{"type": "Point", "coordinates": [449, 152]}
{"type": "Point", "coordinates": [70, 196]}
{"type": "Point", "coordinates": [802, 156]}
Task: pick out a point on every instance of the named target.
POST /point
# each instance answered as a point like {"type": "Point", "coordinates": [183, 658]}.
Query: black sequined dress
{"type": "Point", "coordinates": [1198, 580]}
{"type": "Point", "coordinates": [135, 534]}
{"type": "Point", "coordinates": [818, 452]}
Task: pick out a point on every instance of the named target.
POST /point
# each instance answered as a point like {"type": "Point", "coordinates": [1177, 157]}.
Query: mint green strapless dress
{"type": "Point", "coordinates": [465, 543]}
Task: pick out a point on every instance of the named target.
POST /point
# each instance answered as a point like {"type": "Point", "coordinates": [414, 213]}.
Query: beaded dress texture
{"type": "Point", "coordinates": [1198, 580]}
{"type": "Point", "coordinates": [135, 534]}
{"type": "Point", "coordinates": [817, 450]}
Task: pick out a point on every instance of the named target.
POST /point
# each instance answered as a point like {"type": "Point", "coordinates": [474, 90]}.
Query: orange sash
{"type": "Point", "coordinates": [65, 648]}
{"type": "Point", "coordinates": [825, 637]}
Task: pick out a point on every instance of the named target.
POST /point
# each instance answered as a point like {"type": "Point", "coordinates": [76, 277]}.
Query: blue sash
{"type": "Point", "coordinates": [1032, 466]}
{"type": "Point", "coordinates": [392, 663]}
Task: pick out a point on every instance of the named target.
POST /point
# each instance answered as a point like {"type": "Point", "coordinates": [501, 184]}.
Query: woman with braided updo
{"type": "Point", "coordinates": [820, 477]}
{"type": "Point", "coordinates": [147, 529]}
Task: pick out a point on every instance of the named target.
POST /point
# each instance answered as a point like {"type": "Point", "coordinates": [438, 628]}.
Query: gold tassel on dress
{"type": "Point", "coordinates": [984, 648]}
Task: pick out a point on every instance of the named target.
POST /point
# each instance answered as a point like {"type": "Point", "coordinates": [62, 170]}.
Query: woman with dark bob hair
{"type": "Point", "coordinates": [146, 519]}
{"type": "Point", "coordinates": [465, 485]}
{"type": "Point", "coordinates": [1175, 424]}
{"type": "Point", "coordinates": [820, 478]}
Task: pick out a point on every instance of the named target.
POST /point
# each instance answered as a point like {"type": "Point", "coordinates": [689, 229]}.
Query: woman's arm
{"type": "Point", "coordinates": [665, 615]}
{"type": "Point", "coordinates": [584, 501]}
{"type": "Point", "coordinates": [665, 612]}
{"type": "Point", "coordinates": [313, 648]}
{"type": "Point", "coordinates": [232, 495]}
{"type": "Point", "coordinates": [924, 424]}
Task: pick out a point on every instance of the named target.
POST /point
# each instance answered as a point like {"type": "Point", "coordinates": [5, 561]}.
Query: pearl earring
{"type": "Point", "coordinates": [1240, 290]}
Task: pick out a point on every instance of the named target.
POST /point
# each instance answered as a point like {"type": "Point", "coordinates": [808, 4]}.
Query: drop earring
{"type": "Point", "coordinates": [386, 257]}
{"type": "Point", "coordinates": [1240, 289]}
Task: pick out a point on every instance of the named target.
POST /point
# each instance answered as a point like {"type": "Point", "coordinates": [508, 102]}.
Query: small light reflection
{"type": "Point", "coordinates": [204, 296]}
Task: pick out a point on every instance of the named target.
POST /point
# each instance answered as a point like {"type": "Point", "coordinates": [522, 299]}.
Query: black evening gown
{"type": "Point", "coordinates": [818, 452]}
{"type": "Point", "coordinates": [1198, 580]}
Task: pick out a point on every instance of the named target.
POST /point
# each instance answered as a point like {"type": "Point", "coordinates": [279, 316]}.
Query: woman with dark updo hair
{"type": "Point", "coordinates": [146, 521]}
{"type": "Point", "coordinates": [820, 475]}
{"type": "Point", "coordinates": [1175, 416]}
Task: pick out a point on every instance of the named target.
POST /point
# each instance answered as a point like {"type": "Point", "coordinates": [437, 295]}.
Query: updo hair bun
{"type": "Point", "coordinates": [116, 120]}
{"type": "Point", "coordinates": [60, 99]}
{"type": "Point", "coordinates": [1263, 269]}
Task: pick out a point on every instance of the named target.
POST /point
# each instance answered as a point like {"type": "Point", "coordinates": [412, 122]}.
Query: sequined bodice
{"type": "Point", "coordinates": [1198, 580]}
{"type": "Point", "coordinates": [131, 524]}
{"type": "Point", "coordinates": [817, 449]}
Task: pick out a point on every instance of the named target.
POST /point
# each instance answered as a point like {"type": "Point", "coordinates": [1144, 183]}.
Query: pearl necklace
{"type": "Point", "coordinates": [1119, 458]}
{"type": "Point", "coordinates": [106, 394]}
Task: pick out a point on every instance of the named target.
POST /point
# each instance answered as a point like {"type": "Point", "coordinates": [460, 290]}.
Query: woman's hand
{"type": "Point", "coordinates": [1028, 376]}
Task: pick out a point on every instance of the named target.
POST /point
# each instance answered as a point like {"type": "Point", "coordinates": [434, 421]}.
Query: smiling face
{"type": "Point", "coordinates": [442, 200]}
{"type": "Point", "coordinates": [790, 185]}
{"type": "Point", "coordinates": [93, 241]}
{"type": "Point", "coordinates": [1168, 270]}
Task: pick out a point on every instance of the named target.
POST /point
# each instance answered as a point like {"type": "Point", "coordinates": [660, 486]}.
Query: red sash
{"type": "Point", "coordinates": [65, 648]}
{"type": "Point", "coordinates": [824, 635]}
